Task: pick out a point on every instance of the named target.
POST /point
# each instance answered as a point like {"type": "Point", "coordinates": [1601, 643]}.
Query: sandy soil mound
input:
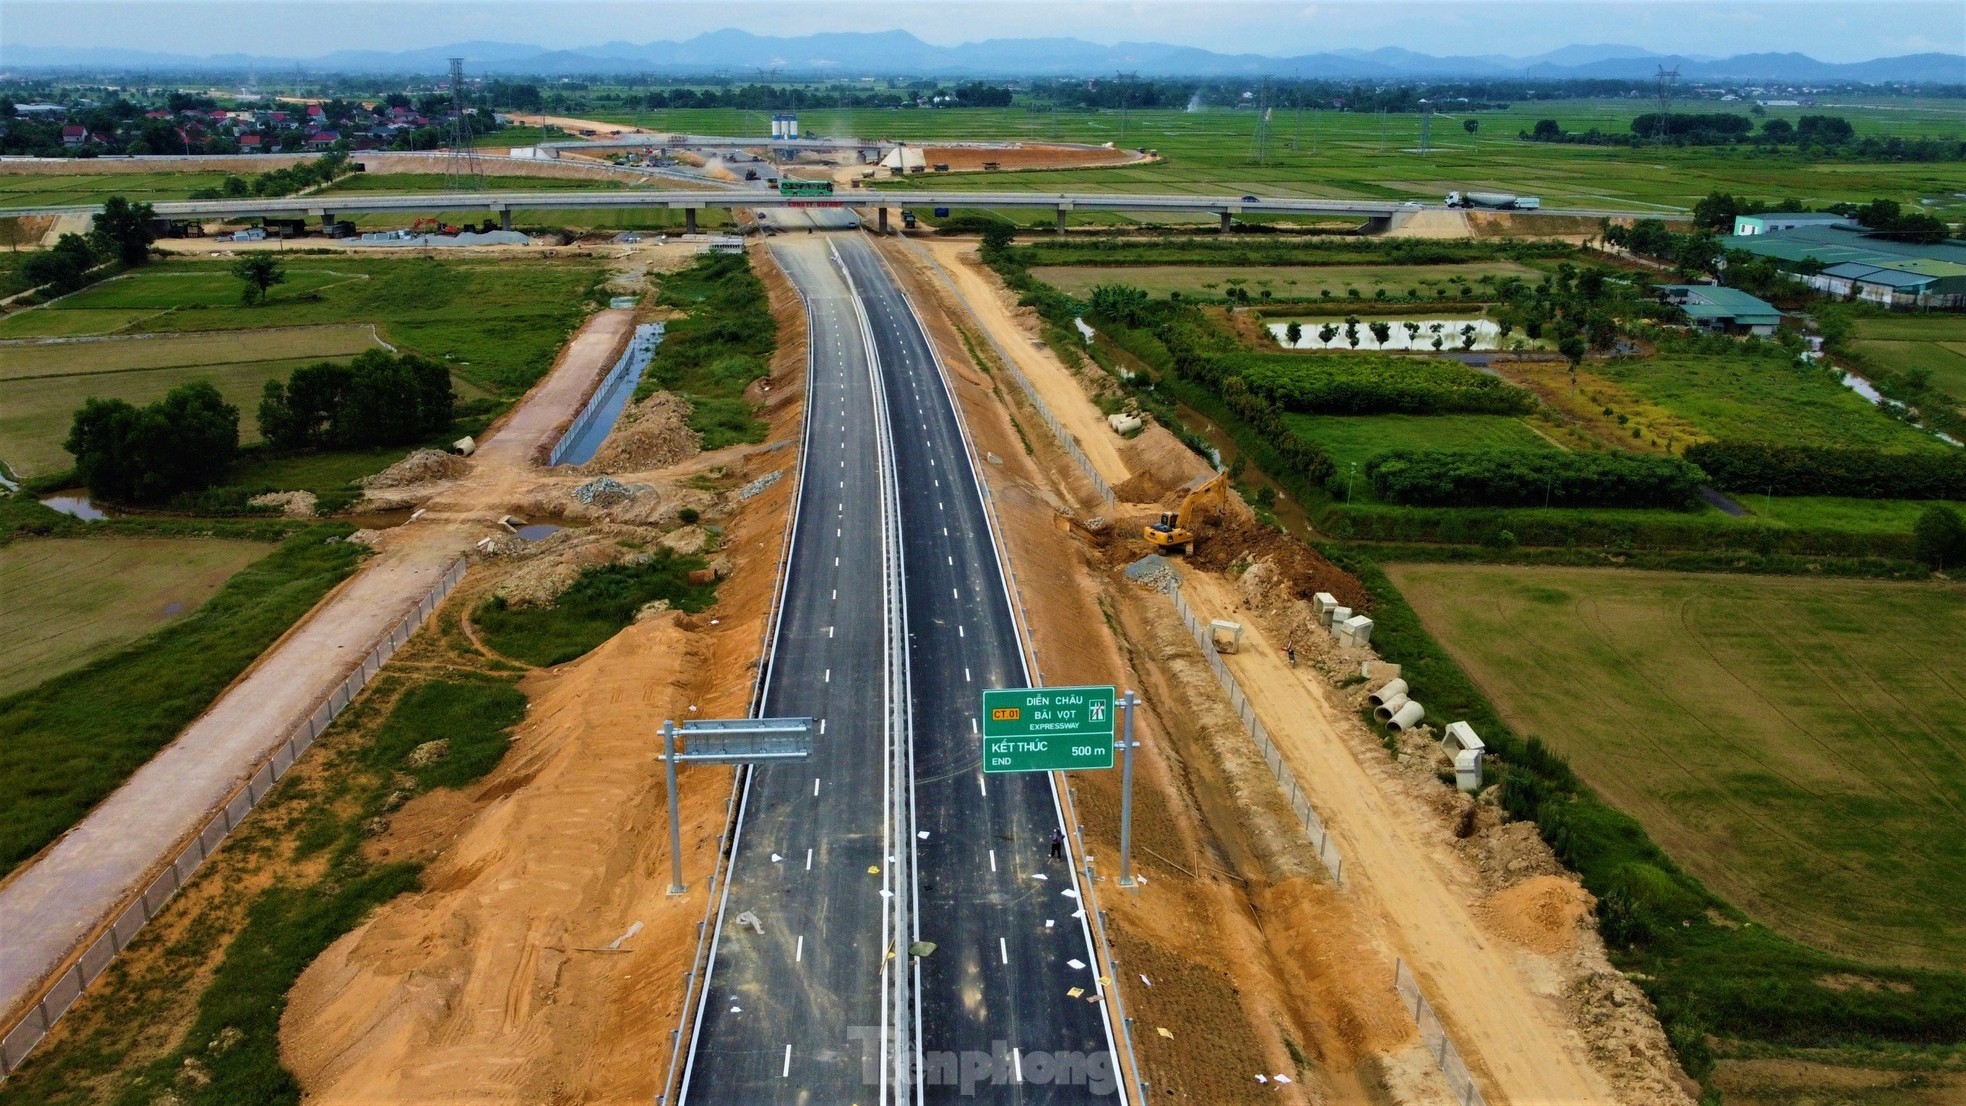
{"type": "Point", "coordinates": [493, 984]}
{"type": "Point", "coordinates": [1542, 914]}
{"type": "Point", "coordinates": [651, 434]}
{"type": "Point", "coordinates": [1159, 463]}
{"type": "Point", "coordinates": [1433, 224]}
{"type": "Point", "coordinates": [291, 504]}
{"type": "Point", "coordinates": [422, 467]}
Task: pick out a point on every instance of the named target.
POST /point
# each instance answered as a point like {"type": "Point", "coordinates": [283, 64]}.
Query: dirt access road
{"type": "Point", "coordinates": [55, 904]}
{"type": "Point", "coordinates": [1508, 1028]}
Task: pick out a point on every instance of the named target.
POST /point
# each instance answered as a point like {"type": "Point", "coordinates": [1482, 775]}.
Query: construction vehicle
{"type": "Point", "coordinates": [1175, 532]}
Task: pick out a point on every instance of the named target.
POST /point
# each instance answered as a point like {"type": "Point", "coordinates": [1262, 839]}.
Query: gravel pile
{"type": "Point", "coordinates": [422, 467]}
{"type": "Point", "coordinates": [603, 491]}
{"type": "Point", "coordinates": [1155, 571]}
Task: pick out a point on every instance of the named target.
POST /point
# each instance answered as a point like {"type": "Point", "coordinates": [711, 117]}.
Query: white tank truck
{"type": "Point", "coordinates": [1499, 201]}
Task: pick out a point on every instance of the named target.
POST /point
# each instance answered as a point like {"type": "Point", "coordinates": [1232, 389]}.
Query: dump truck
{"type": "Point", "coordinates": [1175, 530]}
{"type": "Point", "coordinates": [1498, 201]}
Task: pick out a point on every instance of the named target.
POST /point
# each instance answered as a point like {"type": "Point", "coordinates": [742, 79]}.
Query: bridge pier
{"type": "Point", "coordinates": [1061, 220]}
{"type": "Point", "coordinates": [689, 220]}
{"type": "Point", "coordinates": [327, 223]}
{"type": "Point", "coordinates": [1225, 222]}
{"type": "Point", "coordinates": [883, 217]}
{"type": "Point", "coordinates": [505, 218]}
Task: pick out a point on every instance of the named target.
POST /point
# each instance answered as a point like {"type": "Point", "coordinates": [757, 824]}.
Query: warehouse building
{"type": "Point", "coordinates": [1770, 221]}
{"type": "Point", "coordinates": [1843, 260]}
{"type": "Point", "coordinates": [1724, 310]}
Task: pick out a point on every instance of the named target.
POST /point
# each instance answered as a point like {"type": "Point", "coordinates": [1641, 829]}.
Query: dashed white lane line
{"type": "Point", "coordinates": [809, 851]}
{"type": "Point", "coordinates": [829, 675]}
{"type": "Point", "coordinates": [786, 1073]}
{"type": "Point", "coordinates": [966, 678]}
{"type": "Point", "coordinates": [815, 785]}
{"type": "Point", "coordinates": [1016, 1062]}
{"type": "Point", "coordinates": [822, 726]}
{"type": "Point", "coordinates": [983, 785]}
{"type": "Point", "coordinates": [993, 860]}
{"type": "Point", "coordinates": [799, 953]}
{"type": "Point", "coordinates": [1003, 952]}
{"type": "Point", "coordinates": [954, 592]}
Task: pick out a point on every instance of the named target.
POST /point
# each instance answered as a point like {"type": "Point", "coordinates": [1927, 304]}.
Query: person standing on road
{"type": "Point", "coordinates": [1057, 844]}
{"type": "Point", "coordinates": [1291, 651]}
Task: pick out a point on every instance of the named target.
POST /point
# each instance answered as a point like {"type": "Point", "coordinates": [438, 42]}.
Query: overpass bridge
{"type": "Point", "coordinates": [1380, 214]}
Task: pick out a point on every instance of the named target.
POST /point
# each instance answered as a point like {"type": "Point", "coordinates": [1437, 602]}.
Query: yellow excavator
{"type": "Point", "coordinates": [1175, 532]}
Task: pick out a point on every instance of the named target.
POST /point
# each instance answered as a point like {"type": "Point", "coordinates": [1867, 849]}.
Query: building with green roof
{"type": "Point", "coordinates": [1726, 310]}
{"type": "Point", "coordinates": [1848, 262]}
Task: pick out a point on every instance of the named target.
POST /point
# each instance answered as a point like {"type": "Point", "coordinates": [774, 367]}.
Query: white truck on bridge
{"type": "Point", "coordinates": [1499, 201]}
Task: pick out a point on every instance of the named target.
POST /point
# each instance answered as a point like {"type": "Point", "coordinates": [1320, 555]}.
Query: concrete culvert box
{"type": "Point", "coordinates": [1322, 603]}
{"type": "Point", "coordinates": [1392, 687]}
{"type": "Point", "coordinates": [1408, 716]}
{"type": "Point", "coordinates": [1385, 710]}
{"type": "Point", "coordinates": [1461, 737]}
{"type": "Point", "coordinates": [1335, 616]}
{"type": "Point", "coordinates": [1467, 770]}
{"type": "Point", "coordinates": [1355, 632]}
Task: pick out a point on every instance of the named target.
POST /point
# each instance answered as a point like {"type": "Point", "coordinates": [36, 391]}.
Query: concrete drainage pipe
{"type": "Point", "coordinates": [1389, 707]}
{"type": "Point", "coordinates": [1408, 716]}
{"type": "Point", "coordinates": [1394, 687]}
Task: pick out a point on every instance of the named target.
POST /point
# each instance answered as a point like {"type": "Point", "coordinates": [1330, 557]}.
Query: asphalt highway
{"type": "Point", "coordinates": [783, 1009]}
{"type": "Point", "coordinates": [1004, 917]}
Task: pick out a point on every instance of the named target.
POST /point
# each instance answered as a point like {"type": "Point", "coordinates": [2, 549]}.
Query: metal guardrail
{"type": "Point", "coordinates": [1272, 756]}
{"type": "Point", "coordinates": [1434, 1036]}
{"type": "Point", "coordinates": [62, 993]}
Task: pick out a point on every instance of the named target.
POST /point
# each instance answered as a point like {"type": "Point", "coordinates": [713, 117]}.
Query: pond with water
{"type": "Point", "coordinates": [75, 502]}
{"type": "Point", "coordinates": [1487, 334]}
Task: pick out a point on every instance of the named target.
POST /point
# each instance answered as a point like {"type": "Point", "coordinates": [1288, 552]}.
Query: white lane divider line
{"type": "Point", "coordinates": [959, 632]}
{"type": "Point", "coordinates": [809, 855]}
{"type": "Point", "coordinates": [1003, 950]}
{"type": "Point", "coordinates": [815, 786]}
{"type": "Point", "coordinates": [799, 953]}
{"type": "Point", "coordinates": [829, 675]}
{"type": "Point", "coordinates": [822, 726]}
{"type": "Point", "coordinates": [1016, 1062]}
{"type": "Point", "coordinates": [829, 631]}
{"type": "Point", "coordinates": [972, 725]}
{"type": "Point", "coordinates": [993, 860]}
{"type": "Point", "coordinates": [954, 592]}
{"type": "Point", "coordinates": [786, 1072]}
{"type": "Point", "coordinates": [983, 785]}
{"type": "Point", "coordinates": [836, 593]}
{"type": "Point", "coordinates": [966, 678]}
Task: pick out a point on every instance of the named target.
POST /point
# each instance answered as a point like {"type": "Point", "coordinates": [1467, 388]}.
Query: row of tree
{"type": "Point", "coordinates": [280, 182]}
{"type": "Point", "coordinates": [1759, 467]}
{"type": "Point", "coordinates": [121, 235]}
{"type": "Point", "coordinates": [1533, 478]}
{"type": "Point", "coordinates": [1829, 135]}
{"type": "Point", "coordinates": [374, 400]}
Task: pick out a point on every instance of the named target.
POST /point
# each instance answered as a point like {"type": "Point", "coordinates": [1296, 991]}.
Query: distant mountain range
{"type": "Point", "coordinates": [898, 53]}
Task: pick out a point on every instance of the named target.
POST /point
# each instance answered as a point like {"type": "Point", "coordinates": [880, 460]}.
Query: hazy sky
{"type": "Point", "coordinates": [1847, 31]}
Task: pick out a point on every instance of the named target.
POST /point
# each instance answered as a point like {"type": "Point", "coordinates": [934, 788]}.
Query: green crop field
{"type": "Point", "coordinates": [1361, 155]}
{"type": "Point", "coordinates": [1281, 281]}
{"type": "Point", "coordinates": [1797, 744]}
{"type": "Point", "coordinates": [41, 386]}
{"type": "Point", "coordinates": [499, 323]}
{"type": "Point", "coordinates": [1353, 439]}
{"type": "Point", "coordinates": [83, 187]}
{"type": "Point", "coordinates": [435, 182]}
{"type": "Point", "coordinates": [1934, 344]}
{"type": "Point", "coordinates": [1822, 512]}
{"type": "Point", "coordinates": [1760, 399]}
{"type": "Point", "coordinates": [72, 600]}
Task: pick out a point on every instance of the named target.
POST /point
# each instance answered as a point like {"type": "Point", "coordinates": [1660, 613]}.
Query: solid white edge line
{"type": "Point", "coordinates": [1023, 640]}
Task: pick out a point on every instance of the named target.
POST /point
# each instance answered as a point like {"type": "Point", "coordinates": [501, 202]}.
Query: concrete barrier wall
{"type": "Point", "coordinates": [61, 993]}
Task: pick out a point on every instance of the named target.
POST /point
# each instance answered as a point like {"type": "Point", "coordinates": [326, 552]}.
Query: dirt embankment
{"type": "Point", "coordinates": [540, 962]}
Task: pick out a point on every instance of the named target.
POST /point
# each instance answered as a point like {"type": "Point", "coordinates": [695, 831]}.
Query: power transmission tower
{"type": "Point", "coordinates": [1260, 147]}
{"type": "Point", "coordinates": [462, 172]}
{"type": "Point", "coordinates": [1668, 79]}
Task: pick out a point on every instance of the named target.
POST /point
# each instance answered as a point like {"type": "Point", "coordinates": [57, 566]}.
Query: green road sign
{"type": "Point", "coordinates": [1047, 729]}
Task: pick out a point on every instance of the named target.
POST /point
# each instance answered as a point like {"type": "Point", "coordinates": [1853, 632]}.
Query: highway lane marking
{"type": "Point", "coordinates": [993, 860]}
{"type": "Point", "coordinates": [836, 593]}
{"type": "Point", "coordinates": [966, 678]}
{"type": "Point", "coordinates": [836, 562]}
{"type": "Point", "coordinates": [829, 675]}
{"type": "Point", "coordinates": [799, 953]}
{"type": "Point", "coordinates": [809, 851]}
{"type": "Point", "coordinates": [815, 785]}
{"type": "Point", "coordinates": [954, 592]}
{"type": "Point", "coordinates": [786, 1073]}
{"type": "Point", "coordinates": [982, 784]}
{"type": "Point", "coordinates": [829, 633]}
{"type": "Point", "coordinates": [959, 633]}
{"type": "Point", "coordinates": [952, 560]}
{"type": "Point", "coordinates": [822, 726]}
{"type": "Point", "coordinates": [1016, 1061]}
{"type": "Point", "coordinates": [972, 725]}
{"type": "Point", "coordinates": [1003, 950]}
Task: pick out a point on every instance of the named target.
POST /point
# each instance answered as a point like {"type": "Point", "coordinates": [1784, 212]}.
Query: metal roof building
{"type": "Point", "coordinates": [1769, 221]}
{"type": "Point", "coordinates": [1859, 265]}
{"type": "Point", "coordinates": [1731, 310]}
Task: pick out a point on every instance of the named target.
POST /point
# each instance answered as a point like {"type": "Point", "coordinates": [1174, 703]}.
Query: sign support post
{"type": "Point", "coordinates": [1127, 703]}
{"type": "Point", "coordinates": [676, 885]}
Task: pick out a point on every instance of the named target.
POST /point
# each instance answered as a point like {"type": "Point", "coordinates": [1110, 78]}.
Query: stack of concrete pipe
{"type": "Point", "coordinates": [1399, 711]}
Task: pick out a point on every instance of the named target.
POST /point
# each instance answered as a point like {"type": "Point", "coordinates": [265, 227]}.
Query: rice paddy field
{"type": "Point", "coordinates": [1367, 156]}
{"type": "Point", "coordinates": [1798, 744]}
{"type": "Point", "coordinates": [69, 601]}
{"type": "Point", "coordinates": [42, 385]}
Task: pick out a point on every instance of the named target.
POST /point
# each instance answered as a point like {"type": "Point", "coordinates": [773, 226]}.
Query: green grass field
{"type": "Point", "coordinates": [1935, 344]}
{"type": "Point", "coordinates": [1797, 744]}
{"type": "Point", "coordinates": [499, 323]}
{"type": "Point", "coordinates": [1368, 156]}
{"type": "Point", "coordinates": [84, 187]}
{"type": "Point", "coordinates": [1357, 438]}
{"type": "Point", "coordinates": [595, 608]}
{"type": "Point", "coordinates": [72, 600]}
{"type": "Point", "coordinates": [1760, 399]}
{"type": "Point", "coordinates": [1886, 516]}
{"type": "Point", "coordinates": [1281, 281]}
{"type": "Point", "coordinates": [73, 739]}
{"type": "Point", "coordinates": [41, 386]}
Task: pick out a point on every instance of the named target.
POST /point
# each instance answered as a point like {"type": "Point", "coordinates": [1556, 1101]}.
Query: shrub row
{"type": "Point", "coordinates": [1304, 457]}
{"type": "Point", "coordinates": [1830, 470]}
{"type": "Point", "coordinates": [1623, 532]}
{"type": "Point", "coordinates": [1350, 385]}
{"type": "Point", "coordinates": [1530, 478]}
{"type": "Point", "coordinates": [377, 399]}
{"type": "Point", "coordinates": [1086, 250]}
